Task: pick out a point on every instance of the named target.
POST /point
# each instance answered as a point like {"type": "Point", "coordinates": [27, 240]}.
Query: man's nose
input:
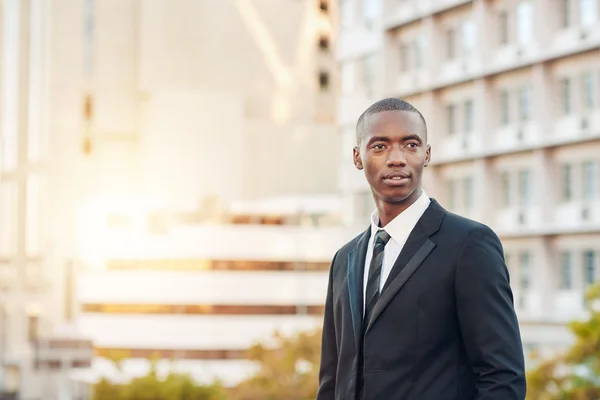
{"type": "Point", "coordinates": [396, 158]}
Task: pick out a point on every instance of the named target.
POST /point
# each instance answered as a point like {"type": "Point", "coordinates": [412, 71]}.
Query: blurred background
{"type": "Point", "coordinates": [176, 176]}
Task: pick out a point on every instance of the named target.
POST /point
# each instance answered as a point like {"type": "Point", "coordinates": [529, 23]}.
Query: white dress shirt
{"type": "Point", "coordinates": [399, 229]}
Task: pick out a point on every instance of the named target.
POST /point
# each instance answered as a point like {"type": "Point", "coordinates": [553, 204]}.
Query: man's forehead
{"type": "Point", "coordinates": [406, 120]}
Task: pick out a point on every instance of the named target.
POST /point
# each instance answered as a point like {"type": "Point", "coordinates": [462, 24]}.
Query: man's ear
{"type": "Point", "coordinates": [357, 160]}
{"type": "Point", "coordinates": [427, 155]}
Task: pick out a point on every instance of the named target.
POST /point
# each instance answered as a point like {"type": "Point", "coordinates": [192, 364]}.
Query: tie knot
{"type": "Point", "coordinates": [381, 237]}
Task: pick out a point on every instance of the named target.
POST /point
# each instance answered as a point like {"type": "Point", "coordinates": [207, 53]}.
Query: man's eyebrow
{"type": "Point", "coordinates": [379, 139]}
{"type": "Point", "coordinates": [413, 137]}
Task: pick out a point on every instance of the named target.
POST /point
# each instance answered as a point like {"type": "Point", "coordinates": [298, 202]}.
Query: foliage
{"type": "Point", "coordinates": [574, 375]}
{"type": "Point", "coordinates": [151, 387]}
{"type": "Point", "coordinates": [288, 370]}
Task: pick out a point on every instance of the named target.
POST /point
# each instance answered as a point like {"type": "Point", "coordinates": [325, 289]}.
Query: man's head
{"type": "Point", "coordinates": [392, 150]}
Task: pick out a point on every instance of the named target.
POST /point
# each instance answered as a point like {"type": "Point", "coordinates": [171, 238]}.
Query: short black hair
{"type": "Point", "coordinates": [389, 104]}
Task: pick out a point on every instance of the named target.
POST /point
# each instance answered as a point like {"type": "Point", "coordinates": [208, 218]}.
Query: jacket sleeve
{"type": "Point", "coordinates": [329, 352]}
{"type": "Point", "coordinates": [487, 318]}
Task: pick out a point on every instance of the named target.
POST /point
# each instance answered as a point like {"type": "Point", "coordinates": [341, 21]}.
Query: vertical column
{"type": "Point", "coordinates": [483, 181]}
{"type": "Point", "coordinates": [544, 182]}
{"type": "Point", "coordinates": [544, 101]}
{"type": "Point", "coordinates": [432, 54]}
{"type": "Point", "coordinates": [484, 22]}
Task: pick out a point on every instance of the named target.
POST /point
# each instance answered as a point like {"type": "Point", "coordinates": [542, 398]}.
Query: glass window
{"type": "Point", "coordinates": [524, 188]}
{"type": "Point", "coordinates": [505, 107]}
{"type": "Point", "coordinates": [525, 22]}
{"type": "Point", "coordinates": [469, 36]}
{"type": "Point", "coordinates": [588, 90]}
{"type": "Point", "coordinates": [88, 49]}
{"type": "Point", "coordinates": [469, 116]}
{"type": "Point", "coordinates": [348, 77]}
{"type": "Point", "coordinates": [590, 177]}
{"type": "Point", "coordinates": [524, 270]}
{"type": "Point", "coordinates": [503, 27]}
{"type": "Point", "coordinates": [468, 188]}
{"type": "Point", "coordinates": [8, 213]}
{"type": "Point", "coordinates": [451, 118]}
{"type": "Point", "coordinates": [505, 182]}
{"type": "Point", "coordinates": [565, 174]}
{"type": "Point", "coordinates": [566, 95]}
{"type": "Point", "coordinates": [346, 13]}
{"type": "Point", "coordinates": [566, 271]}
{"type": "Point", "coordinates": [589, 267]}
{"type": "Point", "coordinates": [451, 189]}
{"type": "Point", "coordinates": [419, 49]}
{"type": "Point", "coordinates": [566, 13]}
{"type": "Point", "coordinates": [369, 73]}
{"type": "Point", "coordinates": [588, 12]}
{"type": "Point", "coordinates": [404, 61]}
{"type": "Point", "coordinates": [370, 11]}
{"type": "Point", "coordinates": [450, 44]}
{"type": "Point", "coordinates": [525, 103]}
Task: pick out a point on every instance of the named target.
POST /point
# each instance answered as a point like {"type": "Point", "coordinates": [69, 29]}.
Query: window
{"type": "Point", "coordinates": [468, 36]}
{"type": "Point", "coordinates": [324, 43]}
{"type": "Point", "coordinates": [588, 90]}
{"type": "Point", "coordinates": [348, 77]}
{"type": "Point", "coordinates": [589, 180]}
{"type": "Point", "coordinates": [566, 95]}
{"type": "Point", "coordinates": [451, 118]}
{"type": "Point", "coordinates": [589, 267]}
{"type": "Point", "coordinates": [525, 22]}
{"type": "Point", "coordinates": [505, 107]}
{"type": "Point", "coordinates": [566, 13]}
{"type": "Point", "coordinates": [525, 103]}
{"type": "Point", "coordinates": [468, 188]}
{"type": "Point", "coordinates": [33, 209]}
{"type": "Point", "coordinates": [8, 213]}
{"type": "Point", "coordinates": [450, 44]}
{"type": "Point", "coordinates": [324, 6]}
{"type": "Point", "coordinates": [566, 182]}
{"type": "Point", "coordinates": [370, 11]}
{"type": "Point", "coordinates": [88, 47]}
{"type": "Point", "coordinates": [346, 12]}
{"type": "Point", "coordinates": [503, 27]}
{"type": "Point", "coordinates": [469, 116]}
{"type": "Point", "coordinates": [451, 189]}
{"type": "Point", "coordinates": [588, 12]}
{"type": "Point", "coordinates": [404, 62]}
{"type": "Point", "coordinates": [566, 271]}
{"type": "Point", "coordinates": [369, 73]}
{"type": "Point", "coordinates": [324, 81]}
{"type": "Point", "coordinates": [419, 49]}
{"type": "Point", "coordinates": [524, 270]}
{"type": "Point", "coordinates": [524, 188]}
{"type": "Point", "coordinates": [505, 182]}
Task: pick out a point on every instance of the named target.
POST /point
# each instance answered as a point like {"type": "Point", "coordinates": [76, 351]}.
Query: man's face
{"type": "Point", "coordinates": [393, 153]}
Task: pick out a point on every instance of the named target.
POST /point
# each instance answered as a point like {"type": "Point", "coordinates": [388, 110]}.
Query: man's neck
{"type": "Point", "coordinates": [388, 211]}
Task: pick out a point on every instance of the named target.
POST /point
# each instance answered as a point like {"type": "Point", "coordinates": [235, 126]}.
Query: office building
{"type": "Point", "coordinates": [511, 94]}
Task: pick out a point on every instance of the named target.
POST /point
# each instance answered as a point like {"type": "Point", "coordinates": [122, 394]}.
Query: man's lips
{"type": "Point", "coordinates": [396, 179]}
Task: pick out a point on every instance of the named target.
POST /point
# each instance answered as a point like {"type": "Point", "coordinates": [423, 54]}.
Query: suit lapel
{"type": "Point", "coordinates": [417, 248]}
{"type": "Point", "coordinates": [356, 268]}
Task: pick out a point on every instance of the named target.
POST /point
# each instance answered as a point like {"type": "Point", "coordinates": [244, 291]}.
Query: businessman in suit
{"type": "Point", "coordinates": [419, 305]}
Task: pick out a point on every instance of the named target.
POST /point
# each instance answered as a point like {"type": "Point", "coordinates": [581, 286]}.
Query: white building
{"type": "Point", "coordinates": [511, 94]}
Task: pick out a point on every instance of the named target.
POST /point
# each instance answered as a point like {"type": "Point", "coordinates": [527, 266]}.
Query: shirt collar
{"type": "Point", "coordinates": [401, 226]}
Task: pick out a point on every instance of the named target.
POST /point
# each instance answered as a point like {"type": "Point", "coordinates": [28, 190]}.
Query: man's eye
{"type": "Point", "coordinates": [413, 145]}
{"type": "Point", "coordinates": [379, 146]}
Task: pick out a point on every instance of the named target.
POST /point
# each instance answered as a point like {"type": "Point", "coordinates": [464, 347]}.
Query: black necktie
{"type": "Point", "coordinates": [372, 295]}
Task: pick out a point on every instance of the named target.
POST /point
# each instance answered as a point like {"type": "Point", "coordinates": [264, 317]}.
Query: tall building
{"type": "Point", "coordinates": [199, 106]}
{"type": "Point", "coordinates": [511, 94]}
{"type": "Point", "coordinates": [177, 131]}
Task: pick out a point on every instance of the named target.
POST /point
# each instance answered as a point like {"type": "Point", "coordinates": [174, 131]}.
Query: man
{"type": "Point", "coordinates": [419, 306]}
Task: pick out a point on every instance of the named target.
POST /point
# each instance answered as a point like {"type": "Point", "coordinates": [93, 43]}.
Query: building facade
{"type": "Point", "coordinates": [511, 94]}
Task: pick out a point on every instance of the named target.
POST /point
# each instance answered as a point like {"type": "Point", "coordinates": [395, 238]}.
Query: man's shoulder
{"type": "Point", "coordinates": [352, 244]}
{"type": "Point", "coordinates": [461, 225]}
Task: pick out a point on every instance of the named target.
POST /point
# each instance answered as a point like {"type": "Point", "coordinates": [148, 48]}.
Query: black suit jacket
{"type": "Point", "coordinates": [444, 327]}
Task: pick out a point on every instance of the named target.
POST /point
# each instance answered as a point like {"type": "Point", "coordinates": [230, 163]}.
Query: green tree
{"type": "Point", "coordinates": [151, 387]}
{"type": "Point", "coordinates": [288, 370]}
{"type": "Point", "coordinates": [574, 375]}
